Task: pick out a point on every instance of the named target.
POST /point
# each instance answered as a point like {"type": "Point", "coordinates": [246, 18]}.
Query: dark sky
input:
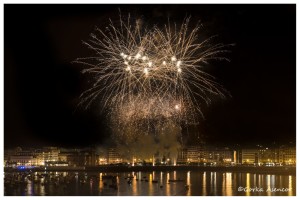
{"type": "Point", "coordinates": [42, 86]}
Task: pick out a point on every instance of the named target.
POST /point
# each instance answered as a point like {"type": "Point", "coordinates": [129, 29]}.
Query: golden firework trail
{"type": "Point", "coordinates": [152, 74]}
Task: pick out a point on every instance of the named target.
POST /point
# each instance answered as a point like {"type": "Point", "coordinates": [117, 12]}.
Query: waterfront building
{"type": "Point", "coordinates": [20, 157]}
{"type": "Point", "coordinates": [79, 157]}
{"type": "Point", "coordinates": [89, 156]}
{"type": "Point", "coordinates": [182, 156]}
{"type": "Point", "coordinates": [47, 154]}
{"type": "Point", "coordinates": [219, 156]}
{"type": "Point", "coordinates": [194, 154]}
{"type": "Point", "coordinates": [287, 155]}
{"type": "Point", "coordinates": [23, 160]}
{"type": "Point", "coordinates": [268, 156]}
{"type": "Point", "coordinates": [249, 156]}
{"type": "Point", "coordinates": [114, 156]}
{"type": "Point", "coordinates": [206, 154]}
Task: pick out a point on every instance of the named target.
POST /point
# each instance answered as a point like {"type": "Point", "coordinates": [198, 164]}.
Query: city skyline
{"type": "Point", "coordinates": [42, 86]}
{"type": "Point", "coordinates": [204, 155]}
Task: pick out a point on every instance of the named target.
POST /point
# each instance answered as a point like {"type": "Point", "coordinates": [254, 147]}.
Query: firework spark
{"type": "Point", "coordinates": [150, 75]}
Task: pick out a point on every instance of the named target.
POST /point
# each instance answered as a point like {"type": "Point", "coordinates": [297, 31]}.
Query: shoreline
{"type": "Point", "coordinates": [283, 170]}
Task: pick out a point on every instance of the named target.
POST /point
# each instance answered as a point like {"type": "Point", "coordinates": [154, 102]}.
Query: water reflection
{"type": "Point", "coordinates": [150, 185]}
{"type": "Point", "coordinates": [224, 184]}
{"type": "Point", "coordinates": [187, 183]}
{"type": "Point", "coordinates": [134, 187]}
{"type": "Point", "coordinates": [175, 177]}
{"type": "Point", "coordinates": [204, 183]}
{"type": "Point", "coordinates": [268, 185]}
{"type": "Point", "coordinates": [248, 184]}
{"type": "Point", "coordinates": [29, 189]}
{"type": "Point", "coordinates": [259, 181]}
{"type": "Point", "coordinates": [214, 178]}
{"type": "Point", "coordinates": [290, 192]}
{"type": "Point", "coordinates": [228, 186]}
{"type": "Point", "coordinates": [100, 183]}
{"type": "Point", "coordinates": [168, 185]}
{"type": "Point", "coordinates": [42, 187]}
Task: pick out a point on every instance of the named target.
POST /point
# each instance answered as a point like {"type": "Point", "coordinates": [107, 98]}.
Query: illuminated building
{"type": "Point", "coordinates": [50, 153]}
{"type": "Point", "coordinates": [114, 156]}
{"type": "Point", "coordinates": [235, 157]}
{"type": "Point", "coordinates": [218, 155]}
{"type": "Point", "coordinates": [182, 156]}
{"type": "Point", "coordinates": [195, 153]}
{"type": "Point", "coordinates": [79, 157]}
{"type": "Point", "coordinates": [63, 157]}
{"type": "Point", "coordinates": [287, 155]}
{"type": "Point", "coordinates": [204, 154]}
{"type": "Point", "coordinates": [190, 154]}
{"type": "Point", "coordinates": [23, 160]}
{"type": "Point", "coordinates": [102, 155]}
{"type": "Point", "coordinates": [102, 160]}
{"type": "Point", "coordinates": [268, 156]}
{"type": "Point", "coordinates": [21, 157]}
{"type": "Point", "coordinates": [47, 154]}
{"type": "Point", "coordinates": [90, 157]}
{"type": "Point", "coordinates": [249, 156]}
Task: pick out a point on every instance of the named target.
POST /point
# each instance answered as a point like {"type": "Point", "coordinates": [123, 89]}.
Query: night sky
{"type": "Point", "coordinates": [42, 85]}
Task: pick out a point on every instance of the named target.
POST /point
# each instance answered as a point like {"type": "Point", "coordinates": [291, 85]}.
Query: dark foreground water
{"type": "Point", "coordinates": [149, 183]}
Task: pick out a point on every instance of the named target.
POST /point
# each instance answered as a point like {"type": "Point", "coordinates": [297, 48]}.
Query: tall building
{"type": "Point", "coordinates": [73, 157]}
{"type": "Point", "coordinates": [79, 157]}
{"type": "Point", "coordinates": [268, 155]}
{"type": "Point", "coordinates": [90, 157]}
{"type": "Point", "coordinates": [190, 154]}
{"type": "Point", "coordinates": [205, 154]}
{"type": "Point", "coordinates": [287, 155]}
{"type": "Point", "coordinates": [182, 156]}
{"type": "Point", "coordinates": [23, 160]}
{"type": "Point", "coordinates": [113, 156]}
{"type": "Point", "coordinates": [20, 157]}
{"type": "Point", "coordinates": [47, 154]}
{"type": "Point", "coordinates": [249, 156]}
{"type": "Point", "coordinates": [102, 153]}
{"type": "Point", "coordinates": [218, 155]}
{"type": "Point", "coordinates": [195, 154]}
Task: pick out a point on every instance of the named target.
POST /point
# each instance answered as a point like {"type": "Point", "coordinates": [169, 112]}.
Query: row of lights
{"type": "Point", "coordinates": [144, 58]}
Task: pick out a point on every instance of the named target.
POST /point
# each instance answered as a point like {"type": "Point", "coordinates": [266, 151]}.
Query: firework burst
{"type": "Point", "coordinates": [150, 75]}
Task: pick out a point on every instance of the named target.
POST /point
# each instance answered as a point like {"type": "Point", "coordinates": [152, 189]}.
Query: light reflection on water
{"type": "Point", "coordinates": [134, 186]}
{"type": "Point", "coordinates": [168, 185]}
{"type": "Point", "coordinates": [193, 183]}
{"type": "Point", "coordinates": [203, 184]}
{"type": "Point", "coordinates": [268, 185]}
{"type": "Point", "coordinates": [100, 183]}
{"type": "Point", "coordinates": [228, 184]}
{"type": "Point", "coordinates": [291, 185]}
{"type": "Point", "coordinates": [248, 184]}
{"type": "Point", "coordinates": [150, 185]}
{"type": "Point", "coordinates": [188, 182]}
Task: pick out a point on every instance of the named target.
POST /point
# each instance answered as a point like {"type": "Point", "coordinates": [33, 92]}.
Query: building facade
{"type": "Point", "coordinates": [249, 156]}
{"type": "Point", "coordinates": [287, 155]}
{"type": "Point", "coordinates": [113, 156]}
